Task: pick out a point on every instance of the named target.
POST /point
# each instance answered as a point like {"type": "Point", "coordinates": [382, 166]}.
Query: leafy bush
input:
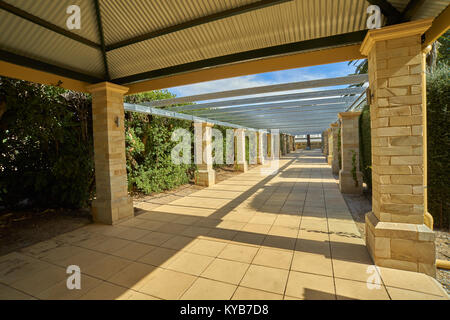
{"type": "Point", "coordinates": [46, 154]}
{"type": "Point", "coordinates": [438, 143]}
{"type": "Point", "coordinates": [148, 148]}
{"type": "Point", "coordinates": [365, 146]}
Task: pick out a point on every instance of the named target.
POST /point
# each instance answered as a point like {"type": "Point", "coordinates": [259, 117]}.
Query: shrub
{"type": "Point", "coordinates": [46, 154]}
{"type": "Point", "coordinates": [438, 143]}
{"type": "Point", "coordinates": [365, 146]}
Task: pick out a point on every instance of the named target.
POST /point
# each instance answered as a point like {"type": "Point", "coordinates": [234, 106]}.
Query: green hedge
{"type": "Point", "coordinates": [46, 154]}
{"type": "Point", "coordinates": [46, 150]}
{"type": "Point", "coordinates": [365, 151]}
{"type": "Point", "coordinates": [438, 143]}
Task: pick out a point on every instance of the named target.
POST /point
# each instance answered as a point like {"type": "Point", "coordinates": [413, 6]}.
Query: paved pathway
{"type": "Point", "coordinates": [253, 236]}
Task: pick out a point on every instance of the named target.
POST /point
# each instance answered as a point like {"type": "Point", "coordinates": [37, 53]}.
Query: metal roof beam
{"type": "Point", "coordinates": [102, 38]}
{"type": "Point", "coordinates": [281, 97]}
{"type": "Point", "coordinates": [338, 40]}
{"type": "Point", "coordinates": [46, 67]}
{"type": "Point", "coordinates": [196, 22]}
{"type": "Point", "coordinates": [278, 106]}
{"type": "Point", "coordinates": [50, 26]}
{"type": "Point", "coordinates": [357, 78]}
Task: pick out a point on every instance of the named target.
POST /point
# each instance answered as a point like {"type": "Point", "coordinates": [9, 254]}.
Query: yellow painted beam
{"type": "Point", "coordinates": [440, 24]}
{"type": "Point", "coordinates": [23, 73]}
{"type": "Point", "coordinates": [297, 60]}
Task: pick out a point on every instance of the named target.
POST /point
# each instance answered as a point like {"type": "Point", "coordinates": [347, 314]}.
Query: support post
{"type": "Point", "coordinates": [260, 146]}
{"type": "Point", "coordinates": [396, 235]}
{"type": "Point", "coordinates": [205, 176]}
{"type": "Point", "coordinates": [334, 148]}
{"type": "Point", "coordinates": [350, 178]}
{"type": "Point", "coordinates": [112, 202]}
{"type": "Point", "coordinates": [330, 146]}
{"type": "Point", "coordinates": [240, 161]}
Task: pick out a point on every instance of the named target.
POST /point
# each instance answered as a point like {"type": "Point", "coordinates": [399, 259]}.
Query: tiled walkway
{"type": "Point", "coordinates": [253, 236]}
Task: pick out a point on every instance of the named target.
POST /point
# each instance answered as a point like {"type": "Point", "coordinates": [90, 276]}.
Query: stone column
{"type": "Point", "coordinates": [260, 147]}
{"type": "Point", "coordinates": [270, 146]}
{"type": "Point", "coordinates": [308, 142]}
{"type": "Point", "coordinates": [287, 143]}
{"type": "Point", "coordinates": [240, 162]}
{"type": "Point", "coordinates": [334, 148]}
{"type": "Point", "coordinates": [206, 176]}
{"type": "Point", "coordinates": [350, 178]}
{"type": "Point", "coordinates": [330, 146]}
{"type": "Point", "coordinates": [396, 235]}
{"type": "Point", "coordinates": [112, 202]}
{"type": "Point", "coordinates": [294, 147]}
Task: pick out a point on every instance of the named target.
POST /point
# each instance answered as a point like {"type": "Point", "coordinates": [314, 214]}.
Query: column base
{"type": "Point", "coordinates": [335, 166]}
{"type": "Point", "coordinates": [330, 160]}
{"type": "Point", "coordinates": [111, 212]}
{"type": "Point", "coordinates": [205, 178]}
{"type": "Point", "coordinates": [401, 246]}
{"type": "Point", "coordinates": [261, 160]}
{"type": "Point", "coordinates": [241, 167]}
{"type": "Point", "coordinates": [348, 185]}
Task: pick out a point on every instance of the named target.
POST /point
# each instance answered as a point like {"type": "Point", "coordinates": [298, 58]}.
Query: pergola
{"type": "Point", "coordinates": [125, 47]}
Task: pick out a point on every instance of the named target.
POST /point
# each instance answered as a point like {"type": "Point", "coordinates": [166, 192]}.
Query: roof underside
{"type": "Point", "coordinates": [129, 41]}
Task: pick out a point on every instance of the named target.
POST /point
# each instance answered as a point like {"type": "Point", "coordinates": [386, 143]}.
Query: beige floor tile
{"type": "Point", "coordinates": [8, 293]}
{"type": "Point", "coordinates": [83, 259]}
{"type": "Point", "coordinates": [134, 251]}
{"type": "Point", "coordinates": [159, 257]}
{"type": "Point", "coordinates": [106, 291]}
{"type": "Point", "coordinates": [222, 234]}
{"type": "Point", "coordinates": [401, 294]}
{"type": "Point", "coordinates": [206, 247]}
{"type": "Point", "coordinates": [132, 276]}
{"type": "Point", "coordinates": [106, 267]}
{"type": "Point", "coordinates": [190, 263]}
{"type": "Point", "coordinates": [132, 233]}
{"type": "Point", "coordinates": [243, 293]}
{"type": "Point", "coordinates": [149, 225]}
{"type": "Point", "coordinates": [283, 232]}
{"type": "Point", "coordinates": [256, 228]}
{"type": "Point", "coordinates": [61, 292]}
{"type": "Point", "coordinates": [205, 289]}
{"type": "Point", "coordinates": [155, 238]}
{"type": "Point", "coordinates": [111, 245]}
{"type": "Point", "coordinates": [133, 295]}
{"type": "Point", "coordinates": [263, 219]}
{"type": "Point", "coordinates": [36, 282]}
{"type": "Point", "coordinates": [273, 258]}
{"type": "Point", "coordinates": [15, 266]}
{"type": "Point", "coordinates": [226, 271]}
{"type": "Point", "coordinates": [309, 286]}
{"type": "Point", "coordinates": [172, 228]}
{"type": "Point", "coordinates": [349, 289]}
{"type": "Point", "coordinates": [178, 243]}
{"type": "Point", "coordinates": [312, 263]}
{"type": "Point", "coordinates": [241, 253]}
{"type": "Point", "coordinates": [409, 280]}
{"type": "Point", "coordinates": [167, 284]}
{"type": "Point", "coordinates": [352, 270]}
{"type": "Point", "coordinates": [279, 242]}
{"type": "Point", "coordinates": [249, 238]}
{"type": "Point", "coordinates": [195, 231]}
{"type": "Point", "coordinates": [265, 278]}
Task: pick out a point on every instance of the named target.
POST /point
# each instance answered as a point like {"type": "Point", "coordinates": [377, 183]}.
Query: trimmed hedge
{"type": "Point", "coordinates": [365, 146]}
{"type": "Point", "coordinates": [438, 143]}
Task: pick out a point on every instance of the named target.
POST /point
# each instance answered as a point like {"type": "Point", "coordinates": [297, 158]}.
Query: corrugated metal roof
{"type": "Point", "coordinates": [280, 24]}
{"type": "Point", "coordinates": [22, 37]}
{"type": "Point", "coordinates": [284, 23]}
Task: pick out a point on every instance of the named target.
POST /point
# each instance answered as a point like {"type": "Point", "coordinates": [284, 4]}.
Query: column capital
{"type": "Point", "coordinates": [392, 32]}
{"type": "Point", "coordinates": [107, 86]}
{"type": "Point", "coordinates": [334, 125]}
{"type": "Point", "coordinates": [348, 115]}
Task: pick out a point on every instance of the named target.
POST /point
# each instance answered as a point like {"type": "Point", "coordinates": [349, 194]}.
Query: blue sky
{"type": "Point", "coordinates": [300, 74]}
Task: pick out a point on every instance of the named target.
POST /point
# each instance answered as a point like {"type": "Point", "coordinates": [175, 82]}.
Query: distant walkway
{"type": "Point", "coordinates": [253, 236]}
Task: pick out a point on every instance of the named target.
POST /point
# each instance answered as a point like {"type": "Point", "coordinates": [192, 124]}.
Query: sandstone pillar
{"type": "Point", "coordinates": [240, 161]}
{"type": "Point", "coordinates": [334, 148]}
{"type": "Point", "coordinates": [260, 146]}
{"type": "Point", "coordinates": [396, 235]}
{"type": "Point", "coordinates": [112, 202]}
{"type": "Point", "coordinates": [205, 176]}
{"type": "Point", "coordinates": [350, 178]}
